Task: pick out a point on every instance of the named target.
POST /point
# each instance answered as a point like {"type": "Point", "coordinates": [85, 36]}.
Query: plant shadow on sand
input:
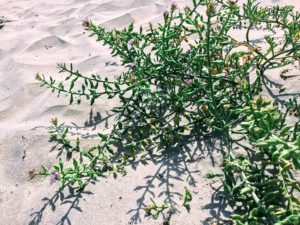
{"type": "Point", "coordinates": [94, 119]}
{"type": "Point", "coordinates": [178, 164]}
{"type": "Point", "coordinates": [279, 98]}
{"type": "Point", "coordinates": [83, 132]}
{"type": "Point", "coordinates": [73, 199]}
{"type": "Point", "coordinates": [3, 21]}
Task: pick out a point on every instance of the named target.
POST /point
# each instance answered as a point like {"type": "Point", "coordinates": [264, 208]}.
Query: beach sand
{"type": "Point", "coordinates": [41, 34]}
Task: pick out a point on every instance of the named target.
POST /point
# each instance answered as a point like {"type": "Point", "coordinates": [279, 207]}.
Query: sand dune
{"type": "Point", "coordinates": [42, 34]}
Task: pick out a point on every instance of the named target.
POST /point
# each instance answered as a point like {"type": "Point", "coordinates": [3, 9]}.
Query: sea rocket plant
{"type": "Point", "coordinates": [188, 76]}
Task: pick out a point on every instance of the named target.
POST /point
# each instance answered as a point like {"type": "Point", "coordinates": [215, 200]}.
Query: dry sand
{"type": "Point", "coordinates": [43, 33]}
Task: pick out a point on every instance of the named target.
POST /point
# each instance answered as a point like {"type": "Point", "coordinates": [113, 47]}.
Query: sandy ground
{"type": "Point", "coordinates": [43, 33]}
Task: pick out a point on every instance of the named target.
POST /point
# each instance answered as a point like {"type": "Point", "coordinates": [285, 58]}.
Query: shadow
{"type": "Point", "coordinates": [72, 200]}
{"type": "Point", "coordinates": [93, 121]}
{"type": "Point", "coordinates": [82, 132]}
{"type": "Point", "coordinates": [3, 21]}
{"type": "Point", "coordinates": [218, 207]}
{"type": "Point", "coordinates": [269, 84]}
{"type": "Point", "coordinates": [111, 63]}
{"type": "Point", "coordinates": [90, 125]}
{"type": "Point", "coordinates": [221, 207]}
{"type": "Point", "coordinates": [175, 166]}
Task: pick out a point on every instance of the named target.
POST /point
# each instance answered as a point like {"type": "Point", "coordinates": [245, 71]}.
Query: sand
{"type": "Point", "coordinates": [38, 34]}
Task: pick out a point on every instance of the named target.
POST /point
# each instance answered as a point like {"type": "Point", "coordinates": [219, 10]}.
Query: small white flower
{"type": "Point", "coordinates": [130, 43]}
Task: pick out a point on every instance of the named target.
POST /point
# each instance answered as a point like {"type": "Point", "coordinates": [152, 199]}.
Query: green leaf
{"type": "Point", "coordinates": [187, 198]}
{"type": "Point", "coordinates": [71, 99]}
{"type": "Point", "coordinates": [212, 175]}
{"type": "Point", "coordinates": [246, 190]}
{"type": "Point", "coordinates": [103, 136]}
{"type": "Point", "coordinates": [75, 164]}
{"type": "Point", "coordinates": [61, 166]}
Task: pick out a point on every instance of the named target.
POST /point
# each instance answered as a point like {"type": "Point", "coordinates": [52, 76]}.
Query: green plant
{"type": "Point", "coordinates": [189, 76]}
{"type": "Point", "coordinates": [263, 178]}
{"type": "Point", "coordinates": [155, 209]}
{"type": "Point", "coordinates": [187, 198]}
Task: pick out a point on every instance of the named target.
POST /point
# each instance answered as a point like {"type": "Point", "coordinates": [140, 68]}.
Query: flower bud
{"type": "Point", "coordinates": [204, 108]}
{"type": "Point", "coordinates": [173, 7]}
{"type": "Point", "coordinates": [86, 23]}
